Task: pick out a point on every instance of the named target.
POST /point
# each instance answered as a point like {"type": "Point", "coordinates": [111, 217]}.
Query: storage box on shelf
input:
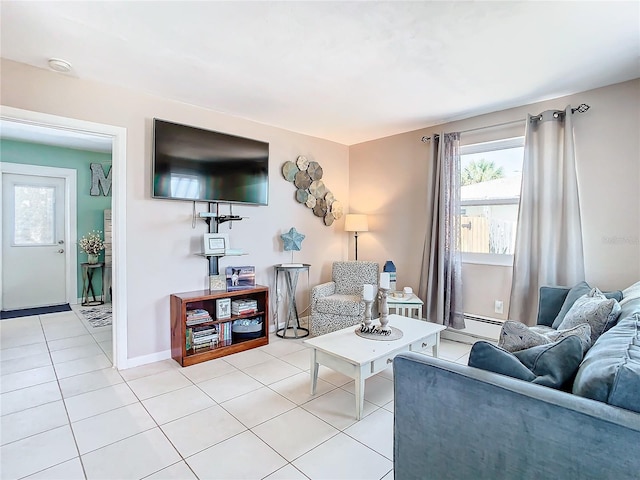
{"type": "Point", "coordinates": [198, 334]}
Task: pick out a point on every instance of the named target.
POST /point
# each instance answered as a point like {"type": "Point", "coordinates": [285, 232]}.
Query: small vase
{"type": "Point", "coordinates": [92, 258]}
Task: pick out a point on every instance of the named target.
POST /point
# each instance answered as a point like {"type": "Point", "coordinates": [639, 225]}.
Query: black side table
{"type": "Point", "coordinates": [88, 270]}
{"type": "Point", "coordinates": [291, 273]}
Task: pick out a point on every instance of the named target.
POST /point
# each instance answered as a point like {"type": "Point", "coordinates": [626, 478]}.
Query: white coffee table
{"type": "Point", "coordinates": [360, 358]}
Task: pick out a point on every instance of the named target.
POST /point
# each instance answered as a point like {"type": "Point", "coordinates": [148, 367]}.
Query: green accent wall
{"type": "Point", "coordinates": [90, 210]}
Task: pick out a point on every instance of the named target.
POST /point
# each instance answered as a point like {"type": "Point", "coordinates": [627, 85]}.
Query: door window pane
{"type": "Point", "coordinates": [34, 215]}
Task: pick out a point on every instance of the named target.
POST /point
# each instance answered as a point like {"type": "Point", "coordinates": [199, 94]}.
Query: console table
{"type": "Point", "coordinates": [291, 273]}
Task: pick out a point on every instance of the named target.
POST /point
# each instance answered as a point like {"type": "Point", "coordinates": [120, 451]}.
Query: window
{"type": "Point", "coordinates": [34, 215]}
{"type": "Point", "coordinates": [491, 176]}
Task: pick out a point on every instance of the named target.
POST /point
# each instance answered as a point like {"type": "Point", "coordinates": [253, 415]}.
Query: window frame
{"type": "Point", "coordinates": [495, 259]}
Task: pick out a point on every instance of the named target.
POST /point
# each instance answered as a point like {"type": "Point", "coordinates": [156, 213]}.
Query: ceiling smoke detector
{"type": "Point", "coordinates": [59, 65]}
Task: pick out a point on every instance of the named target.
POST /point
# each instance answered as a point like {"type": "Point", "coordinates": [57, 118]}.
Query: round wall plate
{"type": "Point", "coordinates": [311, 201]}
{"type": "Point", "coordinates": [337, 209]}
{"type": "Point", "coordinates": [329, 198]}
{"type": "Point", "coordinates": [318, 189]}
{"type": "Point", "coordinates": [289, 170]}
{"type": "Point", "coordinates": [314, 170]}
{"type": "Point", "coordinates": [301, 195]}
{"type": "Point", "coordinates": [328, 219]}
{"type": "Point", "coordinates": [302, 180]}
{"type": "Point", "coordinates": [302, 162]}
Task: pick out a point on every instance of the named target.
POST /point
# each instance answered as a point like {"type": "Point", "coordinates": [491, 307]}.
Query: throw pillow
{"type": "Point", "coordinates": [574, 293]}
{"type": "Point", "coordinates": [550, 303]}
{"type": "Point", "coordinates": [486, 356]}
{"type": "Point", "coordinates": [516, 336]}
{"type": "Point", "coordinates": [600, 312]}
{"type": "Point", "coordinates": [555, 363]}
{"type": "Point", "coordinates": [550, 365]}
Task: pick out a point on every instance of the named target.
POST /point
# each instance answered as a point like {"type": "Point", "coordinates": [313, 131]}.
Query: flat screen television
{"type": "Point", "coordinates": [200, 165]}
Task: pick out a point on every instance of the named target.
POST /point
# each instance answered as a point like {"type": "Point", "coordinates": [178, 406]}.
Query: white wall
{"type": "Point", "coordinates": [388, 178]}
{"type": "Point", "coordinates": [161, 244]}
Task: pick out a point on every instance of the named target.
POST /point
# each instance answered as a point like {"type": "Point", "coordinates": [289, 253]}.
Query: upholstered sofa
{"type": "Point", "coordinates": [338, 304]}
{"type": "Point", "coordinates": [459, 422]}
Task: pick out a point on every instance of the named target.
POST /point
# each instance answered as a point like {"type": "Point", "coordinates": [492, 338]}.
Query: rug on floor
{"type": "Point", "coordinates": [97, 316]}
{"type": "Point", "coordinates": [26, 312]}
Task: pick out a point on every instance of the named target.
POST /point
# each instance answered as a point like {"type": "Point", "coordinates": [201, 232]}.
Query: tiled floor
{"type": "Point", "coordinates": [67, 415]}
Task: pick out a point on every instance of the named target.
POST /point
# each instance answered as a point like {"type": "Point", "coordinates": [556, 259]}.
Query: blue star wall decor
{"type": "Point", "coordinates": [292, 240]}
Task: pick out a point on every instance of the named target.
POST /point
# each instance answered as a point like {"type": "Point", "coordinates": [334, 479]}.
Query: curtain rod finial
{"type": "Point", "coordinates": [583, 107]}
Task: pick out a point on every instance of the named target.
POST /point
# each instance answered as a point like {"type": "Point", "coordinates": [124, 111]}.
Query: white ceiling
{"type": "Point", "coordinates": [344, 71]}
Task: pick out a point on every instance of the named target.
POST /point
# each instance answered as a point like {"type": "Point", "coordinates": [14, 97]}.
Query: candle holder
{"type": "Point", "coordinates": [367, 314]}
{"type": "Point", "coordinates": [384, 309]}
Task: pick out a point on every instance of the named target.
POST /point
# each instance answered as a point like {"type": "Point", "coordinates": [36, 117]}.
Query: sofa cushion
{"type": "Point", "coordinates": [610, 371]}
{"type": "Point", "coordinates": [348, 305]}
{"type": "Point", "coordinates": [573, 294]}
{"type": "Point", "coordinates": [594, 308]}
{"type": "Point", "coordinates": [550, 303]}
{"type": "Point", "coordinates": [550, 365]}
{"type": "Point", "coordinates": [515, 336]}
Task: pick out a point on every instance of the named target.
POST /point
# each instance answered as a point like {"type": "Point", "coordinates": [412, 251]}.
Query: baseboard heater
{"type": "Point", "coordinates": [478, 318]}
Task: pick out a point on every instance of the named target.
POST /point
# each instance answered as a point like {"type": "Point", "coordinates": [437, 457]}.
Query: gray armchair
{"type": "Point", "coordinates": [338, 304]}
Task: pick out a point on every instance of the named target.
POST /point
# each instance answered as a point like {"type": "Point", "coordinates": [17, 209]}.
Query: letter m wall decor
{"type": "Point", "coordinates": [99, 181]}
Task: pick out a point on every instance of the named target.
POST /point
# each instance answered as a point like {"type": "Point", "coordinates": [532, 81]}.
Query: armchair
{"type": "Point", "coordinates": [338, 304]}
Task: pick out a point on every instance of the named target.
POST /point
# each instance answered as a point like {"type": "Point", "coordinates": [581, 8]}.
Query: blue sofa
{"type": "Point", "coordinates": [453, 421]}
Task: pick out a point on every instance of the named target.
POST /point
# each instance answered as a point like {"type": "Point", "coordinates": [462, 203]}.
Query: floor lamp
{"type": "Point", "coordinates": [356, 223]}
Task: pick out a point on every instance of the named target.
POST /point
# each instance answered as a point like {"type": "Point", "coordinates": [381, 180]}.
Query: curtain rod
{"type": "Point", "coordinates": [583, 107]}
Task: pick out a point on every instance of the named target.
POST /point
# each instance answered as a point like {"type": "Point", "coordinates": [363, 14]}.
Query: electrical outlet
{"type": "Point", "coordinates": [498, 306]}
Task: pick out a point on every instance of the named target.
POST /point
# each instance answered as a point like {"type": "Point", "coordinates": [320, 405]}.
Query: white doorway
{"type": "Point", "coordinates": [118, 137]}
{"type": "Point", "coordinates": [38, 236]}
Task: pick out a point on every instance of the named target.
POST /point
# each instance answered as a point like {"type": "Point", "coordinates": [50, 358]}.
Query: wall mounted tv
{"type": "Point", "coordinates": [204, 166]}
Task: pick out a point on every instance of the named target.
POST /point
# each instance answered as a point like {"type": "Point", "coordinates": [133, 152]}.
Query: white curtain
{"type": "Point", "coordinates": [441, 276]}
{"type": "Point", "coordinates": [548, 247]}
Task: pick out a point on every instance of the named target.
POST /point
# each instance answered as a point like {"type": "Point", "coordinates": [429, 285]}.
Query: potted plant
{"type": "Point", "coordinates": [92, 244]}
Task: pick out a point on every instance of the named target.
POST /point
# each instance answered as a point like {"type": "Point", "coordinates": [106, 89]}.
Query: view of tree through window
{"type": "Point", "coordinates": [491, 176]}
{"type": "Point", "coordinates": [34, 215]}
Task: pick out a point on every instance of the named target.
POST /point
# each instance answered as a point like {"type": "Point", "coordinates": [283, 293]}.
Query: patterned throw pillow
{"type": "Point", "coordinates": [516, 336]}
{"type": "Point", "coordinates": [600, 312]}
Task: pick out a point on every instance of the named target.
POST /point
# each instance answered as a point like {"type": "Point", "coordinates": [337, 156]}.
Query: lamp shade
{"type": "Point", "coordinates": [356, 223]}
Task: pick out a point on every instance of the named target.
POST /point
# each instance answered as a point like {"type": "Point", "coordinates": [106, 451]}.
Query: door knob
{"type": "Point", "coordinates": [60, 242]}
{"type": "Point", "coordinates": [61, 250]}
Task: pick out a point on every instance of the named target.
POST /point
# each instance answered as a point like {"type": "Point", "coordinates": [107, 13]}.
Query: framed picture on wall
{"type": "Point", "coordinates": [215, 243]}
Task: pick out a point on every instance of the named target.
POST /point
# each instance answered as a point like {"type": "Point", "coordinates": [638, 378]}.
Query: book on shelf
{"type": "Point", "coordinates": [244, 306]}
{"type": "Point", "coordinates": [197, 316]}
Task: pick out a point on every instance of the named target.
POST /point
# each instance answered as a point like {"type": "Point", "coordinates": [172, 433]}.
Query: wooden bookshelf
{"type": "Point", "coordinates": [206, 300]}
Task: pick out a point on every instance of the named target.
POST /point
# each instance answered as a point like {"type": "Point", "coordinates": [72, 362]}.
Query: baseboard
{"type": "Point", "coordinates": [144, 359]}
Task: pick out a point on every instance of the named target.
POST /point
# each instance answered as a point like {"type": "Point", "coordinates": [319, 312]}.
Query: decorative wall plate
{"type": "Point", "coordinates": [289, 170]}
{"type": "Point", "coordinates": [301, 195]}
{"type": "Point", "coordinates": [337, 210]}
{"type": "Point", "coordinates": [329, 199]}
{"type": "Point", "coordinates": [320, 210]}
{"type": "Point", "coordinates": [314, 170]}
{"type": "Point", "coordinates": [311, 201]}
{"type": "Point", "coordinates": [328, 219]}
{"type": "Point", "coordinates": [302, 162]}
{"type": "Point", "coordinates": [302, 180]}
{"type": "Point", "coordinates": [311, 190]}
{"type": "Point", "coordinates": [317, 189]}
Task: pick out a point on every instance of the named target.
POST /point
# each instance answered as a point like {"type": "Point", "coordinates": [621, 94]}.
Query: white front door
{"type": "Point", "coordinates": [34, 241]}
